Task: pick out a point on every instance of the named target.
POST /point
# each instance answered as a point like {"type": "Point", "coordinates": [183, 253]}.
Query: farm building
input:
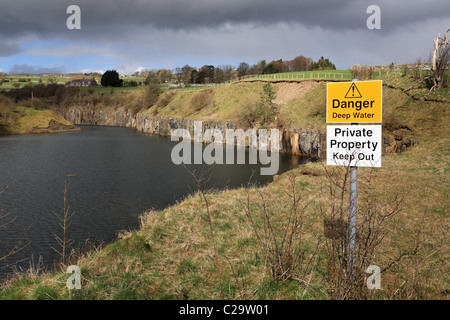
{"type": "Point", "coordinates": [82, 83]}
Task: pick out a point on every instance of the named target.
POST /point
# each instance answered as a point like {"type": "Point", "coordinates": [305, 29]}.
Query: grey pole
{"type": "Point", "coordinates": [352, 219]}
{"type": "Point", "coordinates": [352, 216]}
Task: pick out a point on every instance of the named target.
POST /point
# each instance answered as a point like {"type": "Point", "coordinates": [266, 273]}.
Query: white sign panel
{"type": "Point", "coordinates": [354, 145]}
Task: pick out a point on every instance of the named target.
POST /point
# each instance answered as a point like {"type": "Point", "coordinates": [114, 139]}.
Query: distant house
{"type": "Point", "coordinates": [82, 83]}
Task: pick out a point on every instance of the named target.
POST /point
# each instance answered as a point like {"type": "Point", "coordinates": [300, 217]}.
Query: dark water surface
{"type": "Point", "coordinates": [120, 173]}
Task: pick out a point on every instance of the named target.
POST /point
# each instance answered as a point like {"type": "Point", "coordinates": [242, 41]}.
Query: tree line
{"type": "Point", "coordinates": [223, 73]}
{"type": "Point", "coordinates": [38, 91]}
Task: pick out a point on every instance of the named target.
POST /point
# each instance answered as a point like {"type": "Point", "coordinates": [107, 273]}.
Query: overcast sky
{"type": "Point", "coordinates": [129, 35]}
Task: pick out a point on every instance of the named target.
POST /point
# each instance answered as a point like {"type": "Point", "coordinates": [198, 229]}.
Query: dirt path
{"type": "Point", "coordinates": [287, 91]}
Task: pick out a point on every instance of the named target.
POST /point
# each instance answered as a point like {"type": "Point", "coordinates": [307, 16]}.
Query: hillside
{"type": "Point", "coordinates": [26, 120]}
{"type": "Point", "coordinates": [285, 240]}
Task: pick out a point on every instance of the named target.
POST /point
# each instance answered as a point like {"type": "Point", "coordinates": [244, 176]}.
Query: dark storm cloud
{"type": "Point", "coordinates": [26, 68]}
{"type": "Point", "coordinates": [8, 49]}
{"type": "Point", "coordinates": [136, 33]}
{"type": "Point", "coordinates": [111, 18]}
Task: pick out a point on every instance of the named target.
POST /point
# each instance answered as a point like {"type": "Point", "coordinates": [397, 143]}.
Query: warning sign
{"type": "Point", "coordinates": [354, 102]}
{"type": "Point", "coordinates": [349, 145]}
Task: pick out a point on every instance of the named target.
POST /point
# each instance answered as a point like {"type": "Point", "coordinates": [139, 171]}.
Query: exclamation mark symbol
{"type": "Point", "coordinates": [353, 92]}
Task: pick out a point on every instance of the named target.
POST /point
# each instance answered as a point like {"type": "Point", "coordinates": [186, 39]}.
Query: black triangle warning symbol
{"type": "Point", "coordinates": [353, 92]}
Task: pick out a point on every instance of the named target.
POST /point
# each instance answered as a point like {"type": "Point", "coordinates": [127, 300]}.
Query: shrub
{"type": "Point", "coordinates": [151, 94]}
{"type": "Point", "coordinates": [6, 101]}
{"type": "Point", "coordinates": [280, 240]}
{"type": "Point", "coordinates": [248, 116]}
{"type": "Point", "coordinates": [144, 98]}
{"type": "Point", "coordinates": [6, 107]}
{"type": "Point", "coordinates": [362, 72]}
{"type": "Point", "coordinates": [131, 83]}
{"type": "Point", "coordinates": [267, 109]}
{"type": "Point", "coordinates": [405, 70]}
{"type": "Point", "coordinates": [347, 280]}
{"type": "Point", "coordinates": [35, 103]}
{"type": "Point", "coordinates": [165, 99]}
{"type": "Point", "coordinates": [201, 99]}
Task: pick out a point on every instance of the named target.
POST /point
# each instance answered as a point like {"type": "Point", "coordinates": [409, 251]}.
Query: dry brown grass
{"type": "Point", "coordinates": [172, 256]}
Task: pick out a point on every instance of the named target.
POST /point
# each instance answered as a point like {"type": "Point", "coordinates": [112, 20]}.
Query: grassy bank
{"type": "Point", "coordinates": [285, 240]}
{"type": "Point", "coordinates": [28, 120]}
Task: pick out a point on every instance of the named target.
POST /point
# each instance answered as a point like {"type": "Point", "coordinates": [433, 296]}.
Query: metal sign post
{"type": "Point", "coordinates": [352, 216]}
{"type": "Point", "coordinates": [354, 102]}
{"type": "Point", "coordinates": [352, 219]}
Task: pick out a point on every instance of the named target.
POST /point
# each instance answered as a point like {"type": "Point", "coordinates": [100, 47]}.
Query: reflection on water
{"type": "Point", "coordinates": [120, 173]}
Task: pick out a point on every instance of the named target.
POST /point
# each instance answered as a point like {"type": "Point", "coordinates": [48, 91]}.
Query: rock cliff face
{"type": "Point", "coordinates": [299, 141]}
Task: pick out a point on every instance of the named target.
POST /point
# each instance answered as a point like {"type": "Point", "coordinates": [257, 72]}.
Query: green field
{"type": "Point", "coordinates": [12, 81]}
{"type": "Point", "coordinates": [16, 81]}
{"type": "Point", "coordinates": [303, 75]}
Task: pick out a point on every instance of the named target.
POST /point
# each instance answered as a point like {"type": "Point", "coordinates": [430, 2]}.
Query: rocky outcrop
{"type": "Point", "coordinates": [306, 142]}
{"type": "Point", "coordinates": [299, 141]}
{"type": "Point", "coordinates": [398, 141]}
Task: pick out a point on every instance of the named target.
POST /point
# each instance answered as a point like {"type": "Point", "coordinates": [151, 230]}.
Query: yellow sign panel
{"type": "Point", "coordinates": [354, 102]}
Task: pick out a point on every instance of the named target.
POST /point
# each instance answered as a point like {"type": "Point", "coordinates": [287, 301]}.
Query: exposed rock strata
{"type": "Point", "coordinates": [300, 141]}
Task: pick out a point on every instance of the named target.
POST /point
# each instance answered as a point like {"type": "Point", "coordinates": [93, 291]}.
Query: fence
{"type": "Point", "coordinates": [273, 76]}
{"type": "Point", "coordinates": [300, 76]}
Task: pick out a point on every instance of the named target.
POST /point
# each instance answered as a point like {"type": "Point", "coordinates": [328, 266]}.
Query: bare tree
{"type": "Point", "coordinates": [280, 241]}
{"type": "Point", "coordinates": [64, 221]}
{"type": "Point", "coordinates": [201, 181]}
{"type": "Point", "coordinates": [439, 64]}
{"type": "Point", "coordinates": [21, 244]}
{"type": "Point", "coordinates": [440, 61]}
{"type": "Point", "coordinates": [243, 69]}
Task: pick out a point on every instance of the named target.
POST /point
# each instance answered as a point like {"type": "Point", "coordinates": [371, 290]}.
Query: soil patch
{"type": "Point", "coordinates": [288, 91]}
